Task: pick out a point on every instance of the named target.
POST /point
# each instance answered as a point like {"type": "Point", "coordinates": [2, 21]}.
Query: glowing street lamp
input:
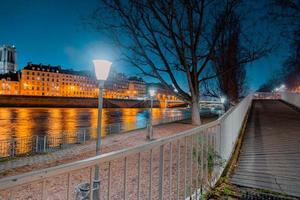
{"type": "Point", "coordinates": [152, 94]}
{"type": "Point", "coordinates": [102, 68]}
{"type": "Point", "coordinates": [223, 100]}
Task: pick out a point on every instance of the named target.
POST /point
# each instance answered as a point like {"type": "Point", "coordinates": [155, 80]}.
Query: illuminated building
{"type": "Point", "coordinates": [136, 87]}
{"type": "Point", "coordinates": [116, 86]}
{"type": "Point", "coordinates": [45, 80]}
{"type": "Point", "coordinates": [296, 89]}
{"type": "Point", "coordinates": [7, 59]}
{"type": "Point", "coordinates": [162, 93]}
{"type": "Point", "coordinates": [9, 84]}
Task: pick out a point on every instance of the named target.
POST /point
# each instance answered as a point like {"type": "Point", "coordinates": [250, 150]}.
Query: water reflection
{"type": "Point", "coordinates": [55, 122]}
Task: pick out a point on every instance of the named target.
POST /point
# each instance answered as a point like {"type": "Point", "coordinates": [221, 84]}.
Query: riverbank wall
{"type": "Point", "coordinates": [76, 102]}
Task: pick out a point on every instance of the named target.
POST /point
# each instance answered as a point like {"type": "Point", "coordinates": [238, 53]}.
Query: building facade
{"type": "Point", "coordinates": [10, 84]}
{"type": "Point", "coordinates": [116, 86]}
{"type": "Point", "coordinates": [136, 87]}
{"type": "Point", "coordinates": [162, 93]}
{"type": "Point", "coordinates": [43, 80]}
{"type": "Point", "coordinates": [46, 80]}
{"type": "Point", "coordinates": [7, 59]}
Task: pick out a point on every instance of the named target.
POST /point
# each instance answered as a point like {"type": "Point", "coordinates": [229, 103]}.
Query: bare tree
{"type": "Point", "coordinates": [167, 40]}
{"type": "Point", "coordinates": [227, 62]}
{"type": "Point", "coordinates": [234, 50]}
{"type": "Point", "coordinates": [287, 14]}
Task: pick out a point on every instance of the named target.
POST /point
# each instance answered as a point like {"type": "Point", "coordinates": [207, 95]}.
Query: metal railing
{"type": "Point", "coordinates": [291, 98]}
{"type": "Point", "coordinates": [175, 167]}
{"type": "Point", "coordinates": [41, 144]}
{"type": "Point", "coordinates": [267, 95]}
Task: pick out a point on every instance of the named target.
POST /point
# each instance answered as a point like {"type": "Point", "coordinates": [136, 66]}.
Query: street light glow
{"type": "Point", "coordinates": [152, 92]}
{"type": "Point", "coordinates": [223, 99]}
{"type": "Point", "coordinates": [102, 68]}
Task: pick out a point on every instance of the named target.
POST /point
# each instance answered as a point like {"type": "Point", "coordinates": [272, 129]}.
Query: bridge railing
{"type": "Point", "coordinates": [267, 95]}
{"type": "Point", "coordinates": [175, 167]}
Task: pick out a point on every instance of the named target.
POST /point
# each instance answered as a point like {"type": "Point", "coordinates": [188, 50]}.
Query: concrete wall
{"type": "Point", "coordinates": [292, 98]}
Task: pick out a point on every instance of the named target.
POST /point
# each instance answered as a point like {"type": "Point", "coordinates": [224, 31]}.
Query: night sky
{"type": "Point", "coordinates": [53, 32]}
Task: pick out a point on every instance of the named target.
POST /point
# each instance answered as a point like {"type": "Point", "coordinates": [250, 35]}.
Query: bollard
{"type": "Point", "coordinates": [82, 191]}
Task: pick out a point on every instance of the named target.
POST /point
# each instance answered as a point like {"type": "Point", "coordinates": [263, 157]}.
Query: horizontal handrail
{"type": "Point", "coordinates": [37, 144]}
{"type": "Point", "coordinates": [8, 182]}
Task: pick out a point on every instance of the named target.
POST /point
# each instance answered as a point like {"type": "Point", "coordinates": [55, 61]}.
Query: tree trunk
{"type": "Point", "coordinates": [196, 112]}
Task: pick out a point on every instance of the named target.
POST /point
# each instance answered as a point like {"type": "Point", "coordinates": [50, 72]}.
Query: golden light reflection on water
{"type": "Point", "coordinates": [4, 131]}
{"type": "Point", "coordinates": [62, 123]}
{"type": "Point", "coordinates": [23, 130]}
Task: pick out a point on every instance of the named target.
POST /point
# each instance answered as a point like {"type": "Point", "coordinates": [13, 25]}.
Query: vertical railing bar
{"type": "Point", "coordinates": [91, 183]}
{"type": "Point", "coordinates": [109, 181]}
{"type": "Point", "coordinates": [69, 183]}
{"type": "Point", "coordinates": [10, 196]}
{"type": "Point", "coordinates": [178, 168]}
{"type": "Point", "coordinates": [197, 166]}
{"type": "Point", "coordinates": [44, 189]}
{"type": "Point", "coordinates": [161, 172]}
{"type": "Point", "coordinates": [150, 175]}
{"type": "Point", "coordinates": [206, 157]}
{"type": "Point", "coordinates": [191, 168]}
{"type": "Point", "coordinates": [170, 178]}
{"type": "Point", "coordinates": [202, 159]}
{"type": "Point", "coordinates": [185, 166]}
{"type": "Point", "coordinates": [220, 137]}
{"type": "Point", "coordinates": [139, 176]}
{"type": "Point", "coordinates": [125, 177]}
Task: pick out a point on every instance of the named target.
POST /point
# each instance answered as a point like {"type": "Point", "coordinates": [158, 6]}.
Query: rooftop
{"type": "Point", "coordinates": [58, 69]}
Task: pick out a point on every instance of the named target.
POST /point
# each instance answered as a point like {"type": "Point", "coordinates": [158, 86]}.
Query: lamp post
{"type": "Point", "coordinates": [102, 68]}
{"type": "Point", "coordinates": [152, 93]}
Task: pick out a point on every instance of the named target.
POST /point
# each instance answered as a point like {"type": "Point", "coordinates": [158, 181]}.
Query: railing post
{"type": "Point", "coordinates": [36, 143]}
{"type": "Point", "coordinates": [161, 171]}
{"type": "Point", "coordinates": [84, 135]}
{"type": "Point", "coordinates": [45, 143]}
{"type": "Point", "coordinates": [13, 147]}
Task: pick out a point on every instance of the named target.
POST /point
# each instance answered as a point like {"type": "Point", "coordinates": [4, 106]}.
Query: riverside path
{"type": "Point", "coordinates": [270, 152]}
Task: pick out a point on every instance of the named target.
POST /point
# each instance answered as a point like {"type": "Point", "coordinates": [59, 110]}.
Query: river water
{"type": "Point", "coordinates": [28, 122]}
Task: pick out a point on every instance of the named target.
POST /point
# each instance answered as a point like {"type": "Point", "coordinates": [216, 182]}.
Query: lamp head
{"type": "Point", "coordinates": [223, 99]}
{"type": "Point", "coordinates": [102, 68]}
{"type": "Point", "coordinates": [152, 92]}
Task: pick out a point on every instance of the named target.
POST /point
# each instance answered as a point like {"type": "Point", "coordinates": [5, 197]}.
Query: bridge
{"type": "Point", "coordinates": [188, 164]}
